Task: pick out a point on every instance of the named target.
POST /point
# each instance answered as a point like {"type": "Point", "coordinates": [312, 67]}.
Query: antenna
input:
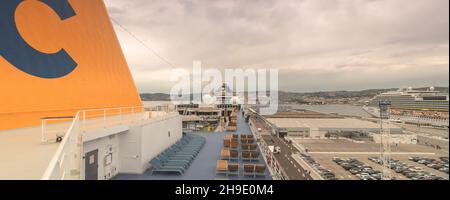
{"type": "Point", "coordinates": [385, 135]}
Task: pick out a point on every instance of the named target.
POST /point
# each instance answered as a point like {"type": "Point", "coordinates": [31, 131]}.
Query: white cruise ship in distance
{"type": "Point", "coordinates": [414, 100]}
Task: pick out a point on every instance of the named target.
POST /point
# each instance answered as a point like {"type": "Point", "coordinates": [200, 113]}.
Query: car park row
{"type": "Point", "coordinates": [358, 168]}
{"type": "Point", "coordinates": [440, 165]}
{"type": "Point", "coordinates": [323, 172]}
{"type": "Point", "coordinates": [409, 171]}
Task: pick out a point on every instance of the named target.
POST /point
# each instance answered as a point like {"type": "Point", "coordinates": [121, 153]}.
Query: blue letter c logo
{"type": "Point", "coordinates": [24, 57]}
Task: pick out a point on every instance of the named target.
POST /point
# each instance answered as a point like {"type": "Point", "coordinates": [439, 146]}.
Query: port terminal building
{"type": "Point", "coordinates": [305, 123]}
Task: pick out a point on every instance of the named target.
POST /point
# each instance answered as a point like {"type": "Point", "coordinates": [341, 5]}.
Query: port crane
{"type": "Point", "coordinates": [385, 136]}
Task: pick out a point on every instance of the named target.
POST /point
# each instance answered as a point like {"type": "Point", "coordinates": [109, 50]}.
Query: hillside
{"type": "Point", "coordinates": [299, 97]}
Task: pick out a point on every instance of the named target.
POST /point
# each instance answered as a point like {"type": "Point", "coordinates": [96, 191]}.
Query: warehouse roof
{"type": "Point", "coordinates": [343, 123]}
{"type": "Point", "coordinates": [300, 113]}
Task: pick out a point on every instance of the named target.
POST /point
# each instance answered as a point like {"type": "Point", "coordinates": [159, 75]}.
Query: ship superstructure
{"type": "Point", "coordinates": [416, 100]}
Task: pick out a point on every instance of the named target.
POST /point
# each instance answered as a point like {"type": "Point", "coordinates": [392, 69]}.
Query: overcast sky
{"type": "Point", "coordinates": [317, 45]}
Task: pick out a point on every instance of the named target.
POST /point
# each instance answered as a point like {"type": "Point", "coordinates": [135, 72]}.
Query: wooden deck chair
{"type": "Point", "coordinates": [225, 154]}
{"type": "Point", "coordinates": [245, 155]}
{"type": "Point", "coordinates": [254, 155]}
{"type": "Point", "coordinates": [233, 169]}
{"type": "Point", "coordinates": [226, 143]}
{"type": "Point", "coordinates": [222, 167]}
{"type": "Point", "coordinates": [234, 155]}
{"type": "Point", "coordinates": [234, 144]}
{"type": "Point", "coordinates": [260, 170]}
{"type": "Point", "coordinates": [249, 170]}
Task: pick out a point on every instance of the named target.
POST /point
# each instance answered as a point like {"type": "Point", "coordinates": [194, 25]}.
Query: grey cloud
{"type": "Point", "coordinates": [326, 39]}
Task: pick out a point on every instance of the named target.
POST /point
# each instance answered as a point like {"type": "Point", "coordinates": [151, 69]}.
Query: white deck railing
{"type": "Point", "coordinates": [66, 163]}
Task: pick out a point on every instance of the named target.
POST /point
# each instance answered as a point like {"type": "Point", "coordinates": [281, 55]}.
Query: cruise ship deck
{"type": "Point", "coordinates": [23, 155]}
{"type": "Point", "coordinates": [26, 156]}
{"type": "Point", "coordinates": [204, 165]}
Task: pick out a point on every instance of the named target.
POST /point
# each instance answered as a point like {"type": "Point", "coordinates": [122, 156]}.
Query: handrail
{"type": "Point", "coordinates": [55, 159]}
{"type": "Point", "coordinates": [71, 147]}
{"type": "Point", "coordinates": [44, 122]}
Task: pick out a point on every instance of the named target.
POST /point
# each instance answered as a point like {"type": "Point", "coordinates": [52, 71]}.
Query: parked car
{"type": "Point", "coordinates": [365, 176]}
{"type": "Point", "coordinates": [377, 176]}
{"type": "Point", "coordinates": [355, 171]}
{"type": "Point", "coordinates": [414, 158]}
{"type": "Point", "coordinates": [399, 169]}
{"type": "Point", "coordinates": [406, 171]}
{"type": "Point", "coordinates": [416, 169]}
{"type": "Point", "coordinates": [444, 169]}
{"type": "Point", "coordinates": [423, 162]}
{"type": "Point", "coordinates": [347, 166]}
{"type": "Point", "coordinates": [444, 159]}
{"type": "Point", "coordinates": [411, 174]}
{"type": "Point", "coordinates": [434, 166]}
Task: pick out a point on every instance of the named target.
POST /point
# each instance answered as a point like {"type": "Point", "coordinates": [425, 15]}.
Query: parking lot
{"type": "Point", "coordinates": [438, 166]}
{"type": "Point", "coordinates": [323, 151]}
{"type": "Point", "coordinates": [341, 173]}
{"type": "Point", "coordinates": [410, 168]}
{"type": "Point", "coordinates": [342, 145]}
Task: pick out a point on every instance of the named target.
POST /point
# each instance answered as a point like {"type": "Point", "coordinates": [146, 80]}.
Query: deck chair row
{"type": "Point", "coordinates": [240, 136]}
{"type": "Point", "coordinates": [178, 157]}
{"type": "Point", "coordinates": [254, 170]}
{"type": "Point", "coordinates": [226, 168]}
{"type": "Point", "coordinates": [228, 154]}
{"type": "Point", "coordinates": [234, 144]}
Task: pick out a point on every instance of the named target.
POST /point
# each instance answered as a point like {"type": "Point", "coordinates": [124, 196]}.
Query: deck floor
{"type": "Point", "coordinates": [23, 155]}
{"type": "Point", "coordinates": [204, 165]}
